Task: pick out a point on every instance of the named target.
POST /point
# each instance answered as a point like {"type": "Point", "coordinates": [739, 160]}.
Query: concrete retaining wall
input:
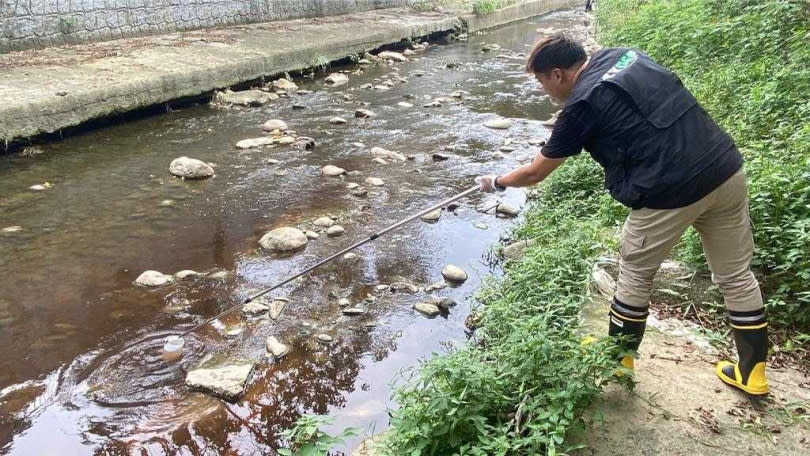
{"type": "Point", "coordinates": [28, 24]}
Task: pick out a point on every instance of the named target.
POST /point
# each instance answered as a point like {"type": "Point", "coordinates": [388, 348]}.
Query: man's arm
{"type": "Point", "coordinates": [530, 173]}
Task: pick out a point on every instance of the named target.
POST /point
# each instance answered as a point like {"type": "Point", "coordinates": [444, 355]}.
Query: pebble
{"type": "Point", "coordinates": [37, 188]}
{"type": "Point", "coordinates": [507, 209]}
{"type": "Point", "coordinates": [274, 124]}
{"type": "Point", "coordinates": [11, 229]}
{"type": "Point", "coordinates": [498, 123]}
{"type": "Point", "coordinates": [284, 239]}
{"type": "Point", "coordinates": [325, 222]}
{"type": "Point", "coordinates": [432, 216]}
{"type": "Point", "coordinates": [277, 306]}
{"type": "Point", "coordinates": [153, 279]}
{"type": "Point", "coordinates": [166, 203]}
{"type": "Point", "coordinates": [285, 84]}
{"type": "Point", "coordinates": [186, 273]}
{"type": "Point", "coordinates": [337, 121]}
{"type": "Point", "coordinates": [324, 338]}
{"type": "Point", "coordinates": [441, 284]}
{"type": "Point", "coordinates": [190, 168]}
{"type": "Point", "coordinates": [364, 113]}
{"type": "Point", "coordinates": [275, 347]}
{"type": "Point", "coordinates": [375, 181]}
{"type": "Point", "coordinates": [390, 55]}
{"type": "Point", "coordinates": [427, 309]}
{"type": "Point", "coordinates": [404, 104]}
{"type": "Point", "coordinates": [312, 234]}
{"type": "Point", "coordinates": [335, 230]}
{"type": "Point", "coordinates": [454, 273]}
{"type": "Point", "coordinates": [336, 79]}
{"type": "Point", "coordinates": [344, 302]}
{"type": "Point", "coordinates": [332, 171]}
{"type": "Point", "coordinates": [255, 142]}
{"type": "Point", "coordinates": [352, 311]}
{"type": "Point", "coordinates": [254, 308]}
{"type": "Point", "coordinates": [350, 256]}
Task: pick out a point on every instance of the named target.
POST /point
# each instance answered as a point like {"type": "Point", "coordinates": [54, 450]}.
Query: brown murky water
{"type": "Point", "coordinates": [82, 372]}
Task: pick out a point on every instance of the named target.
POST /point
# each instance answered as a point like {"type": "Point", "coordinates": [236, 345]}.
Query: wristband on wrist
{"type": "Point", "coordinates": [496, 184]}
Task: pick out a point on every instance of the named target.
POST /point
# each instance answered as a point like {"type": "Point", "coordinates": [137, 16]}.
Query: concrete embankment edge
{"type": "Point", "coordinates": [113, 86]}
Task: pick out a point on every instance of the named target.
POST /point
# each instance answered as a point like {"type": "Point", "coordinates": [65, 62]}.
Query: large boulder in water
{"type": "Point", "coordinates": [227, 380]}
{"type": "Point", "coordinates": [284, 239]}
{"type": "Point", "coordinates": [190, 168]}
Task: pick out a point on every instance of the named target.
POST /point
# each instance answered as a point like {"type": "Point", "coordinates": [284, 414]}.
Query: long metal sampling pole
{"type": "Point", "coordinates": [326, 260]}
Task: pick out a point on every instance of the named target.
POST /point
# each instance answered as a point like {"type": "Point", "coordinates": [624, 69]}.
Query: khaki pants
{"type": "Point", "coordinates": [721, 218]}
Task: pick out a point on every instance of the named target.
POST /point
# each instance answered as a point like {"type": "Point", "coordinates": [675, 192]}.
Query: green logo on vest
{"type": "Point", "coordinates": [627, 59]}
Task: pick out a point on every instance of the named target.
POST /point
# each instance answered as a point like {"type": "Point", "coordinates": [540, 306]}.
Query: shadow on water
{"type": "Point", "coordinates": [82, 370]}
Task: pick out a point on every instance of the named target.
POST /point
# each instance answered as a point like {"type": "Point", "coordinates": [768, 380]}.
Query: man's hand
{"type": "Point", "coordinates": [487, 184]}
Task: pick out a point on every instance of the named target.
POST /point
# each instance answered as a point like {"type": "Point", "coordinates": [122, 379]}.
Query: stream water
{"type": "Point", "coordinates": [82, 371]}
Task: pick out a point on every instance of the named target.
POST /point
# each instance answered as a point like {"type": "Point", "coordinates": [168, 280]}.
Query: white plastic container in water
{"type": "Point", "coordinates": [173, 347]}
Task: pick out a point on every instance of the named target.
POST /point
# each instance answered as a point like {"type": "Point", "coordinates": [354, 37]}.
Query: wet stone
{"type": "Point", "coordinates": [284, 239]}
{"type": "Point", "coordinates": [153, 279]}
{"type": "Point", "coordinates": [335, 230]}
{"type": "Point", "coordinates": [254, 142]}
{"type": "Point", "coordinates": [332, 171]}
{"type": "Point", "coordinates": [375, 181]}
{"type": "Point", "coordinates": [364, 113]}
{"type": "Point", "coordinates": [312, 234]}
{"type": "Point", "coordinates": [507, 210]}
{"type": "Point", "coordinates": [324, 338]}
{"type": "Point", "coordinates": [498, 123]}
{"type": "Point", "coordinates": [441, 284]}
{"type": "Point", "coordinates": [337, 121]}
{"type": "Point", "coordinates": [190, 168]}
{"type": "Point", "coordinates": [325, 222]}
{"type": "Point", "coordinates": [242, 98]}
{"type": "Point", "coordinates": [353, 311]}
{"type": "Point", "coordinates": [350, 256]}
{"type": "Point", "coordinates": [274, 124]}
{"type": "Point", "coordinates": [454, 273]}
{"type": "Point", "coordinates": [344, 302]}
{"type": "Point", "coordinates": [276, 307]}
{"type": "Point", "coordinates": [432, 216]}
{"type": "Point", "coordinates": [275, 348]}
{"type": "Point", "coordinates": [186, 273]}
{"type": "Point", "coordinates": [427, 309]}
{"type": "Point", "coordinates": [336, 79]}
{"type": "Point", "coordinates": [227, 380]}
{"type": "Point", "coordinates": [254, 308]}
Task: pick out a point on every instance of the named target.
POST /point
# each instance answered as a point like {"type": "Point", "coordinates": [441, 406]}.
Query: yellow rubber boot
{"type": "Point", "coordinates": [751, 337]}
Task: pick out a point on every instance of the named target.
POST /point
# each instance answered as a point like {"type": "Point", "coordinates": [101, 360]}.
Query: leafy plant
{"type": "Point", "coordinates": [307, 439]}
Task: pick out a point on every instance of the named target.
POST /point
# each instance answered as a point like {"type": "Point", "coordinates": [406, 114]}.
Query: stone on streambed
{"type": "Point", "coordinates": [227, 380]}
{"type": "Point", "coordinates": [432, 216]}
{"type": "Point", "coordinates": [390, 55]}
{"type": "Point", "coordinates": [277, 305]}
{"type": "Point", "coordinates": [353, 311]}
{"type": "Point", "coordinates": [602, 282]}
{"type": "Point", "coordinates": [335, 230]}
{"type": "Point", "coordinates": [253, 97]}
{"type": "Point", "coordinates": [255, 142]}
{"type": "Point", "coordinates": [336, 79]}
{"type": "Point", "coordinates": [375, 181]}
{"type": "Point", "coordinates": [337, 121]}
{"type": "Point", "coordinates": [364, 113]}
{"type": "Point", "coordinates": [275, 348]}
{"type": "Point", "coordinates": [186, 273]}
{"type": "Point", "coordinates": [190, 168]}
{"type": "Point", "coordinates": [332, 171]}
{"type": "Point", "coordinates": [153, 279]}
{"type": "Point", "coordinates": [507, 209]}
{"type": "Point", "coordinates": [498, 123]}
{"type": "Point", "coordinates": [285, 84]}
{"type": "Point", "coordinates": [515, 250]}
{"type": "Point", "coordinates": [427, 309]}
{"type": "Point", "coordinates": [275, 124]}
{"type": "Point", "coordinates": [404, 104]}
{"type": "Point", "coordinates": [324, 338]}
{"type": "Point", "coordinates": [350, 256]}
{"type": "Point", "coordinates": [379, 152]}
{"type": "Point", "coordinates": [284, 239]}
{"type": "Point", "coordinates": [312, 234]}
{"type": "Point", "coordinates": [441, 284]}
{"type": "Point", "coordinates": [324, 222]}
{"type": "Point", "coordinates": [11, 229]}
{"type": "Point", "coordinates": [254, 308]}
{"type": "Point", "coordinates": [454, 273]}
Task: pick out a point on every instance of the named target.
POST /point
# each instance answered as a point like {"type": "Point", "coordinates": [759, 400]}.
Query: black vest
{"type": "Point", "coordinates": [664, 142]}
